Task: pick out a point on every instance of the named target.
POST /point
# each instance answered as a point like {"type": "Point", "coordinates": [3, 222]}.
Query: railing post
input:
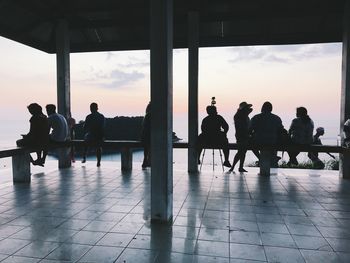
{"type": "Point", "coordinates": [21, 167]}
{"type": "Point", "coordinates": [265, 162]}
{"type": "Point", "coordinates": [126, 157]}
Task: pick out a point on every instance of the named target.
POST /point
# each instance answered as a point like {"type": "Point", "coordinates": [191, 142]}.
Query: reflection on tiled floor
{"type": "Point", "coordinates": [90, 214]}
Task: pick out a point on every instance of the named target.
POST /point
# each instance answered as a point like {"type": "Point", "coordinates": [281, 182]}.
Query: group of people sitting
{"type": "Point", "coordinates": [55, 129]}
{"type": "Point", "coordinates": [264, 128]}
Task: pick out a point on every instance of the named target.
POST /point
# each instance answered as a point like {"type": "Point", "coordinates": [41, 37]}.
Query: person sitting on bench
{"type": "Point", "coordinates": [214, 129]}
{"type": "Point", "coordinates": [38, 136]}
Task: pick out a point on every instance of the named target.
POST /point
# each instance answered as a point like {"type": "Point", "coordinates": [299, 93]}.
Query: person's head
{"type": "Point", "coordinates": [211, 110]}
{"type": "Point", "coordinates": [320, 131]}
{"type": "Point", "coordinates": [34, 109]}
{"type": "Point", "coordinates": [301, 112]}
{"type": "Point", "coordinates": [244, 106]}
{"type": "Point", "coordinates": [93, 107]}
{"type": "Point", "coordinates": [266, 107]}
{"type": "Point", "coordinates": [50, 109]}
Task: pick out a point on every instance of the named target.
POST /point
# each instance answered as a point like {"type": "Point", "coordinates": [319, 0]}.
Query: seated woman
{"type": "Point", "coordinates": [38, 135]}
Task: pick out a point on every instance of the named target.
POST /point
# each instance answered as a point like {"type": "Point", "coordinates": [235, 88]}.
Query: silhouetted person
{"type": "Point", "coordinates": [94, 126]}
{"type": "Point", "coordinates": [242, 124]}
{"type": "Point", "coordinates": [38, 135]}
{"type": "Point", "coordinates": [266, 128]}
{"type": "Point", "coordinates": [214, 130]}
{"type": "Point", "coordinates": [317, 163]}
{"type": "Point", "coordinates": [58, 126]}
{"type": "Point", "coordinates": [146, 137]}
{"type": "Point", "coordinates": [300, 131]}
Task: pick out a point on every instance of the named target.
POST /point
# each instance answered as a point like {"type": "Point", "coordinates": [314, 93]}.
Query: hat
{"type": "Point", "coordinates": [320, 129]}
{"type": "Point", "coordinates": [244, 105]}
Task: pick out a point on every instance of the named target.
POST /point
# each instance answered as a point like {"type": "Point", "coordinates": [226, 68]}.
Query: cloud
{"type": "Point", "coordinates": [116, 79]}
{"type": "Point", "coordinates": [284, 53]}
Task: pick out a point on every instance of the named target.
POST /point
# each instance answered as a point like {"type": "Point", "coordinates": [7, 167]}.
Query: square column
{"type": "Point", "coordinates": [193, 44]}
{"type": "Point", "coordinates": [344, 165]}
{"type": "Point", "coordinates": [161, 36]}
{"type": "Point", "coordinates": [63, 82]}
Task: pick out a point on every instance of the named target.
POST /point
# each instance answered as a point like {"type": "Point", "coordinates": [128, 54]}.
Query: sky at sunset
{"type": "Point", "coordinates": [288, 76]}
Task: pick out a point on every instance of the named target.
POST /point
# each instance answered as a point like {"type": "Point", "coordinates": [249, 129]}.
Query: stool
{"type": "Point", "coordinates": [222, 164]}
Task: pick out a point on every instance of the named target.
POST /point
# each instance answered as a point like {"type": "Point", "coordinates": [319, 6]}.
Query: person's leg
{"type": "Point", "coordinates": [98, 155]}
{"type": "Point", "coordinates": [226, 152]}
{"type": "Point", "coordinates": [235, 160]}
{"type": "Point", "coordinates": [241, 161]}
{"type": "Point", "coordinates": [86, 143]}
{"type": "Point", "coordinates": [199, 146]}
{"type": "Point", "coordinates": [293, 158]}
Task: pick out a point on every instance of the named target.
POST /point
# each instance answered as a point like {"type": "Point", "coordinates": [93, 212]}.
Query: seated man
{"type": "Point", "coordinates": [94, 128]}
{"type": "Point", "coordinates": [38, 135]}
{"type": "Point", "coordinates": [214, 130]}
{"type": "Point", "coordinates": [58, 126]}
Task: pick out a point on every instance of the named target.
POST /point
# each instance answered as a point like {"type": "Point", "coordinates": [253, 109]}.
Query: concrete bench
{"type": "Point", "coordinates": [267, 150]}
{"type": "Point", "coordinates": [21, 156]}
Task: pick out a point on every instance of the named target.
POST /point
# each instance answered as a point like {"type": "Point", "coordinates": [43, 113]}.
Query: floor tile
{"type": "Point", "coordinates": [245, 237]}
{"type": "Point", "coordinates": [102, 254]}
{"type": "Point", "coordinates": [38, 249]}
{"type": "Point", "coordinates": [17, 259]}
{"type": "Point", "coordinates": [313, 243]}
{"type": "Point", "coordinates": [283, 255]}
{"type": "Point", "coordinates": [212, 248]}
{"type": "Point", "coordinates": [137, 256]}
{"type": "Point", "coordinates": [245, 251]}
{"type": "Point", "coordinates": [115, 240]}
{"type": "Point", "coordinates": [277, 240]}
{"type": "Point", "coordinates": [314, 256]}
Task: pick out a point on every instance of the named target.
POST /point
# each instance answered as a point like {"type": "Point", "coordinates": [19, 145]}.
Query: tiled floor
{"type": "Point", "coordinates": [90, 214]}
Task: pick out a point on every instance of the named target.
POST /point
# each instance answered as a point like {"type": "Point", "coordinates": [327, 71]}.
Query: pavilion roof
{"type": "Point", "coordinates": [111, 25]}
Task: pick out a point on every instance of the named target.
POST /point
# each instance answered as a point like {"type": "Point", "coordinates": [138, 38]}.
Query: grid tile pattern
{"type": "Point", "coordinates": [89, 214]}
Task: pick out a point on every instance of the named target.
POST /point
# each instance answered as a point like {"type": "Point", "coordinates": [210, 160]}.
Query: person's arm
{"type": "Point", "coordinates": [292, 127]}
{"type": "Point", "coordinates": [224, 125]}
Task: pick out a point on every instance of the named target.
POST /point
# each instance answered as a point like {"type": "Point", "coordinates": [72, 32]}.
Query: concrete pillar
{"type": "Point", "coordinates": [193, 44]}
{"type": "Point", "coordinates": [63, 81]}
{"type": "Point", "coordinates": [265, 162]}
{"type": "Point", "coordinates": [21, 168]}
{"type": "Point", "coordinates": [161, 36]}
{"type": "Point", "coordinates": [344, 166]}
{"type": "Point", "coordinates": [126, 157]}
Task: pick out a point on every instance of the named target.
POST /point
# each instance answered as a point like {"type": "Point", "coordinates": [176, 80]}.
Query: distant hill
{"type": "Point", "coordinates": [117, 128]}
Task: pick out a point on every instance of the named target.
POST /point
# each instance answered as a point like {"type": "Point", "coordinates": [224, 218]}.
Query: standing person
{"type": "Point", "coordinates": [316, 162]}
{"type": "Point", "coordinates": [146, 137]}
{"type": "Point", "coordinates": [94, 132]}
{"type": "Point", "coordinates": [300, 131]}
{"type": "Point", "coordinates": [58, 126]}
{"type": "Point", "coordinates": [214, 133]}
{"type": "Point", "coordinates": [242, 124]}
{"type": "Point", "coordinates": [38, 135]}
{"type": "Point", "coordinates": [266, 128]}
